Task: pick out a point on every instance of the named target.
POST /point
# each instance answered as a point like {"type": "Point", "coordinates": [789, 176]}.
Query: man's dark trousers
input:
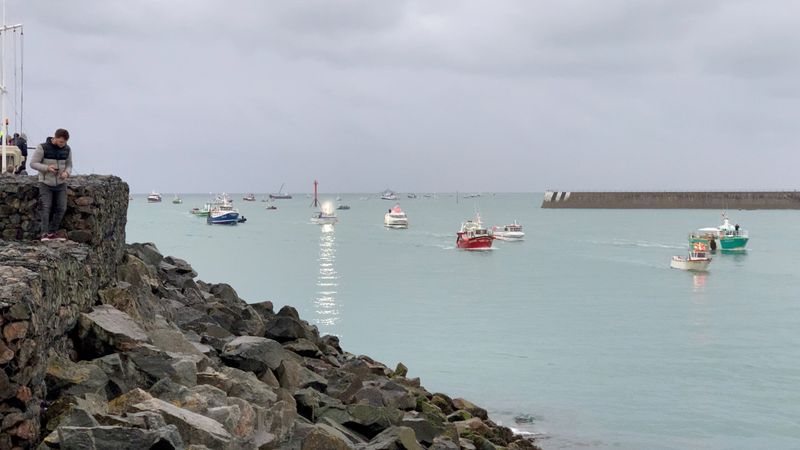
{"type": "Point", "coordinates": [54, 201]}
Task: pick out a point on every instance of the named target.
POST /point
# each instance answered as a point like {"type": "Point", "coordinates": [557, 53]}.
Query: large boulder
{"type": "Point", "coordinates": [147, 252]}
{"type": "Point", "coordinates": [195, 428]}
{"type": "Point", "coordinates": [118, 438]}
{"type": "Point", "coordinates": [310, 401]}
{"type": "Point", "coordinates": [107, 330]}
{"type": "Point", "coordinates": [293, 376]}
{"type": "Point", "coordinates": [237, 383]}
{"type": "Point", "coordinates": [427, 428]}
{"type": "Point", "coordinates": [255, 354]}
{"type": "Point", "coordinates": [395, 438]}
{"type": "Point", "coordinates": [364, 419]}
{"type": "Point", "coordinates": [466, 405]}
{"type": "Point", "coordinates": [64, 377]}
{"type": "Point", "coordinates": [325, 437]}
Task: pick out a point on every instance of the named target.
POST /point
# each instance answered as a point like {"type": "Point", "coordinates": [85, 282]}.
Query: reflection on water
{"type": "Point", "coordinates": [327, 280]}
{"type": "Point", "coordinates": [699, 282]}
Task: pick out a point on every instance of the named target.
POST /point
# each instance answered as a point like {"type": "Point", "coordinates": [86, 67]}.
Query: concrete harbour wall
{"type": "Point", "coordinates": [672, 200]}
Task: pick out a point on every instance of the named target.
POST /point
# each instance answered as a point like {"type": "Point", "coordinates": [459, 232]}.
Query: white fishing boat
{"type": "Point", "coordinates": [388, 195]}
{"type": "Point", "coordinates": [325, 216]}
{"type": "Point", "coordinates": [395, 218]}
{"type": "Point", "coordinates": [154, 197]}
{"type": "Point", "coordinates": [512, 232]}
{"type": "Point", "coordinates": [697, 260]}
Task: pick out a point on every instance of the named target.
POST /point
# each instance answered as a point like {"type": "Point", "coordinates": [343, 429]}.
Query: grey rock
{"type": "Point", "coordinates": [193, 427]}
{"type": "Point", "coordinates": [395, 438]}
{"type": "Point", "coordinates": [66, 377]}
{"type": "Point", "coordinates": [303, 347]}
{"type": "Point", "coordinates": [293, 376]}
{"type": "Point", "coordinates": [255, 354]}
{"type": "Point", "coordinates": [107, 329]}
{"type": "Point", "coordinates": [118, 438]}
{"type": "Point", "coordinates": [325, 437]}
{"type": "Point", "coordinates": [147, 252]}
{"type": "Point", "coordinates": [425, 428]}
{"type": "Point", "coordinates": [441, 443]}
{"type": "Point", "coordinates": [237, 383]}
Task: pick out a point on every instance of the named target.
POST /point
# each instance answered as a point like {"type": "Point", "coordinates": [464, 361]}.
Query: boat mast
{"type": "Point", "coordinates": [3, 91]}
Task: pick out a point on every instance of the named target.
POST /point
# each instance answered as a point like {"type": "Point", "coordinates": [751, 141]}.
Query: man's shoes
{"type": "Point", "coordinates": [48, 237]}
{"type": "Point", "coordinates": [60, 235]}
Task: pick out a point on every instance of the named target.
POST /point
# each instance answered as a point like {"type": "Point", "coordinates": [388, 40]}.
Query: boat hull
{"type": "Point", "coordinates": [325, 221]}
{"type": "Point", "coordinates": [476, 243]}
{"type": "Point", "coordinates": [231, 218]}
{"type": "Point", "coordinates": [733, 243]}
{"type": "Point", "coordinates": [390, 222]}
{"type": "Point", "coordinates": [690, 265]}
{"type": "Point", "coordinates": [280, 196]}
{"type": "Point", "coordinates": [509, 235]}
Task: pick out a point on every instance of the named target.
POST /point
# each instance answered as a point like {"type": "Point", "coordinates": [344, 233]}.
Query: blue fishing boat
{"type": "Point", "coordinates": [223, 213]}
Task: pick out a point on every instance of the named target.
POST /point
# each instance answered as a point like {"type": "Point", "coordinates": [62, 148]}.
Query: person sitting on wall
{"type": "Point", "coordinates": [22, 144]}
{"type": "Point", "coordinates": [53, 160]}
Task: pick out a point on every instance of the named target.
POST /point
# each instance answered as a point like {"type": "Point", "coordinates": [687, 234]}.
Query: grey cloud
{"type": "Point", "coordinates": [442, 95]}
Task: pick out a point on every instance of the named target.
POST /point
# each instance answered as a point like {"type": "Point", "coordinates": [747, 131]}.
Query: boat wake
{"type": "Point", "coordinates": [639, 244]}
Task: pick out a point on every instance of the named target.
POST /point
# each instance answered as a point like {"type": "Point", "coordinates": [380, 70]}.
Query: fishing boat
{"type": "Point", "coordinates": [472, 195]}
{"type": "Point", "coordinates": [154, 197]}
{"type": "Point", "coordinates": [730, 237]}
{"type": "Point", "coordinates": [223, 213]}
{"type": "Point", "coordinates": [395, 218]}
{"type": "Point", "coordinates": [697, 260]}
{"type": "Point", "coordinates": [177, 200]}
{"type": "Point", "coordinates": [325, 216]}
{"type": "Point", "coordinates": [281, 195]}
{"type": "Point", "coordinates": [411, 195]}
{"type": "Point", "coordinates": [474, 236]}
{"type": "Point", "coordinates": [201, 212]}
{"type": "Point", "coordinates": [512, 232]}
{"type": "Point", "coordinates": [249, 198]}
{"type": "Point", "coordinates": [270, 205]}
{"type": "Point", "coordinates": [388, 195]}
{"type": "Point", "coordinates": [343, 207]}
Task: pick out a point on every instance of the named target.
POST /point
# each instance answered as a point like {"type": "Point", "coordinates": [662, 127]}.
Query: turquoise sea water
{"type": "Point", "coordinates": [583, 325]}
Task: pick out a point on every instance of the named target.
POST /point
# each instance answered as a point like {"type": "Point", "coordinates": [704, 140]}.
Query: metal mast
{"type": "Point", "coordinates": [3, 91]}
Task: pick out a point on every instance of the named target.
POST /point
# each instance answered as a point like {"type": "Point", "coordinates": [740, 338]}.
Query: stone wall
{"type": "Point", "coordinates": [672, 200]}
{"type": "Point", "coordinates": [96, 209]}
{"type": "Point", "coordinates": [45, 287]}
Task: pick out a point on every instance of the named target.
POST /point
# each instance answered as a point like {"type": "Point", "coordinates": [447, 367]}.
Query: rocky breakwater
{"type": "Point", "coordinates": [142, 355]}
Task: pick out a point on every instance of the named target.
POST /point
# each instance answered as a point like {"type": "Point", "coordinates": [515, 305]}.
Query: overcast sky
{"type": "Point", "coordinates": [419, 95]}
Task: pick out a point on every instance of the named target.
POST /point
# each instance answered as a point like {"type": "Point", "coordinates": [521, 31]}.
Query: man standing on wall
{"type": "Point", "coordinates": [53, 160]}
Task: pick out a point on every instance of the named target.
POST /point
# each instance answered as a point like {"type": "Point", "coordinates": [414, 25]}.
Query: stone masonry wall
{"type": "Point", "coordinates": [44, 288]}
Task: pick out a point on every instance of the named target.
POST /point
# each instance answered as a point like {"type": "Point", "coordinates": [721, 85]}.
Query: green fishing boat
{"type": "Point", "coordinates": [730, 237]}
{"type": "Point", "coordinates": [202, 212]}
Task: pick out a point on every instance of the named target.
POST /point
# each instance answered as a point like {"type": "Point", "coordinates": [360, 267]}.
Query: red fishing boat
{"type": "Point", "coordinates": [474, 236]}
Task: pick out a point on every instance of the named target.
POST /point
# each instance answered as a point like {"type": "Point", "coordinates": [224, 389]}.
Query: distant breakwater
{"type": "Point", "coordinates": [109, 345]}
{"type": "Point", "coordinates": [672, 200]}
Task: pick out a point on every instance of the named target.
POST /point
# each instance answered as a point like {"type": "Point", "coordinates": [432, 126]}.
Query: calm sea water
{"type": "Point", "coordinates": [583, 325]}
